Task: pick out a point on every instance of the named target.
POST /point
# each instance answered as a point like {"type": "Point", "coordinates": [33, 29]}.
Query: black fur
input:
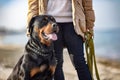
{"type": "Point", "coordinates": [36, 55]}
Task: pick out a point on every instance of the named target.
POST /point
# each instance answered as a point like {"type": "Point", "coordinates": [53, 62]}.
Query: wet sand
{"type": "Point", "coordinates": [9, 55]}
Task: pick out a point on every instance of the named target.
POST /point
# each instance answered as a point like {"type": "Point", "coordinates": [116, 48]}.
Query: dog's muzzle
{"type": "Point", "coordinates": [53, 35]}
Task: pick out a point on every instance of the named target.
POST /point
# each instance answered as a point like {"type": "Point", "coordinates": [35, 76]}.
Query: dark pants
{"type": "Point", "coordinates": [74, 43]}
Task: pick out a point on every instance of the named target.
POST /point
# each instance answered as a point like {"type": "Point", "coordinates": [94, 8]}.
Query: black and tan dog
{"type": "Point", "coordinates": [38, 61]}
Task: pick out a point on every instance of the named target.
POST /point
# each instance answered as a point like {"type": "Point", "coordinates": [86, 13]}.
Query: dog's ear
{"type": "Point", "coordinates": [30, 25]}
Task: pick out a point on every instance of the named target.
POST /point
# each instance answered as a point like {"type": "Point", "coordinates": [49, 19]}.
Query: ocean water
{"type": "Point", "coordinates": [19, 39]}
{"type": "Point", "coordinates": [107, 43]}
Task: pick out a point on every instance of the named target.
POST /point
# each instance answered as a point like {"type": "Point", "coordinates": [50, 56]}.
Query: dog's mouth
{"type": "Point", "coordinates": [51, 36]}
{"type": "Point", "coordinates": [50, 33]}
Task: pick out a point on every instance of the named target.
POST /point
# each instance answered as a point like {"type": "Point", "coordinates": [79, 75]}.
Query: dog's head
{"type": "Point", "coordinates": [44, 28]}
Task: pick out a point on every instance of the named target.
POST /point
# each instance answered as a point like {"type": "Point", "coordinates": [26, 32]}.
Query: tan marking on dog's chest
{"type": "Point", "coordinates": [37, 70]}
{"type": "Point", "coordinates": [52, 69]}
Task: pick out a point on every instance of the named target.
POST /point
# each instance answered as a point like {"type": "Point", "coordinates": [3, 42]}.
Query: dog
{"type": "Point", "coordinates": [38, 61]}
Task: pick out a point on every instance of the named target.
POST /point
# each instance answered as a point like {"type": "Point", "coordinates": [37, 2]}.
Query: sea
{"type": "Point", "coordinates": [107, 43]}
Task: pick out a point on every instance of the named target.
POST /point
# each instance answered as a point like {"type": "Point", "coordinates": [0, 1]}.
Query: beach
{"type": "Point", "coordinates": [106, 38]}
{"type": "Point", "coordinates": [9, 55]}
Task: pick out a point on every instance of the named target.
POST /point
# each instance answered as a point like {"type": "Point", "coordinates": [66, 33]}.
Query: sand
{"type": "Point", "coordinates": [9, 55]}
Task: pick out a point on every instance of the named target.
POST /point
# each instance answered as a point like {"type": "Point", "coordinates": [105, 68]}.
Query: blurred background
{"type": "Point", "coordinates": [13, 19]}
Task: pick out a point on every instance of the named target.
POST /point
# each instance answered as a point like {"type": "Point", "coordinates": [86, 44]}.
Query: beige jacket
{"type": "Point", "coordinates": [82, 11]}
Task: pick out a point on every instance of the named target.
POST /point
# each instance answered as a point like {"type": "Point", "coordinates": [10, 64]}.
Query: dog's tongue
{"type": "Point", "coordinates": [52, 36]}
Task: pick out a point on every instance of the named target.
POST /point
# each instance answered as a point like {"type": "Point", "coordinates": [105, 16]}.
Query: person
{"type": "Point", "coordinates": [74, 18]}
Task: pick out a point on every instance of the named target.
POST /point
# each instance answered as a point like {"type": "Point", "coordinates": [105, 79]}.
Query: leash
{"type": "Point", "coordinates": [90, 53]}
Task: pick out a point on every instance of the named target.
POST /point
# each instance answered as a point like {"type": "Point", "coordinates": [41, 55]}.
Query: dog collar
{"type": "Point", "coordinates": [37, 51]}
{"type": "Point", "coordinates": [32, 46]}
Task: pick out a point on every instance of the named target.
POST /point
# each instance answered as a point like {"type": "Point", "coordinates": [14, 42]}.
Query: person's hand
{"type": "Point", "coordinates": [90, 30]}
{"type": "Point", "coordinates": [88, 34]}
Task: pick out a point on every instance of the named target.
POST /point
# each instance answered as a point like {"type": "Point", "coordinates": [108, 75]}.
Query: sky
{"type": "Point", "coordinates": [13, 14]}
{"type": "Point", "coordinates": [107, 14]}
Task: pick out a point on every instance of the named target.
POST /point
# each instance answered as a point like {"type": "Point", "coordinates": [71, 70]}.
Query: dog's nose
{"type": "Point", "coordinates": [54, 25]}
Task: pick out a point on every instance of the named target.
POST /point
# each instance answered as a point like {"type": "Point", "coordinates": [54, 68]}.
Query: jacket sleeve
{"type": "Point", "coordinates": [89, 13]}
{"type": "Point", "coordinates": [33, 9]}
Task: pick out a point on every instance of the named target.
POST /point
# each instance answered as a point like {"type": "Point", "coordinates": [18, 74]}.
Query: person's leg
{"type": "Point", "coordinates": [58, 46]}
{"type": "Point", "coordinates": [74, 45]}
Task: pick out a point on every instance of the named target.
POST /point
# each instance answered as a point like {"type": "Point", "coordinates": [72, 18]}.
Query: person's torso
{"type": "Point", "coordinates": [60, 9]}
